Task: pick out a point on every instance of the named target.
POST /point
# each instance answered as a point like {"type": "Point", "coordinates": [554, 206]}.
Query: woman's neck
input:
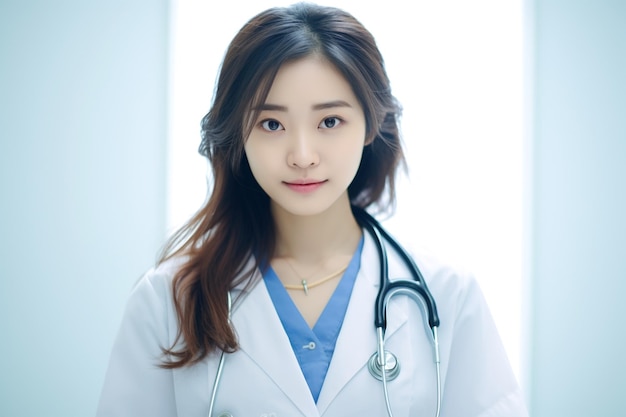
{"type": "Point", "coordinates": [316, 238]}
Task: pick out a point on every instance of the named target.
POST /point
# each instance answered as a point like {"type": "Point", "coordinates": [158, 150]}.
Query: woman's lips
{"type": "Point", "coordinates": [304, 186]}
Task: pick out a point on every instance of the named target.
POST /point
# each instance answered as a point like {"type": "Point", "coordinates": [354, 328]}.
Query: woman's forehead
{"type": "Point", "coordinates": [312, 81]}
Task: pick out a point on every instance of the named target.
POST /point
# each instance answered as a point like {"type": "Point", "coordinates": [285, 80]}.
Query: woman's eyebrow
{"type": "Point", "coordinates": [271, 107]}
{"type": "Point", "coordinates": [331, 104]}
{"type": "Point", "coordinates": [320, 106]}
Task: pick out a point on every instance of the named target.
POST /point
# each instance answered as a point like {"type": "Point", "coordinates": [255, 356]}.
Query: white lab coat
{"type": "Point", "coordinates": [263, 378]}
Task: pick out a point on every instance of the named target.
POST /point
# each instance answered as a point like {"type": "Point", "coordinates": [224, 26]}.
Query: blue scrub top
{"type": "Point", "coordinates": [314, 347]}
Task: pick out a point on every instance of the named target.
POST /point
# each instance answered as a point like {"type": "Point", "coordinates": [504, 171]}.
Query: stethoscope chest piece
{"type": "Point", "coordinates": [391, 367]}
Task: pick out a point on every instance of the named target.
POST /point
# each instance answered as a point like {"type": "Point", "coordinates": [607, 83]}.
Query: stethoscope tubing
{"type": "Point", "coordinates": [220, 365]}
{"type": "Point", "coordinates": [418, 284]}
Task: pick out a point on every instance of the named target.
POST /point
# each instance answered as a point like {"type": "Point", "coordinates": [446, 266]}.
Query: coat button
{"type": "Point", "coordinates": [225, 414]}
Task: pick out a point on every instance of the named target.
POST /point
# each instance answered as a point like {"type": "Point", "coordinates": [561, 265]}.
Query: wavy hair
{"type": "Point", "coordinates": [235, 222]}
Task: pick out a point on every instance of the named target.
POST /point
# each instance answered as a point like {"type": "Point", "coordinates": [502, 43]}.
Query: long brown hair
{"type": "Point", "coordinates": [235, 222]}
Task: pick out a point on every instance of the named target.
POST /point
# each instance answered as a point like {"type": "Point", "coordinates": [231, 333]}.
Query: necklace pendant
{"type": "Point", "coordinates": [305, 287]}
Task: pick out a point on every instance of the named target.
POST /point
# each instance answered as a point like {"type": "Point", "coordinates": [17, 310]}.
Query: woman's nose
{"type": "Point", "coordinates": [303, 153]}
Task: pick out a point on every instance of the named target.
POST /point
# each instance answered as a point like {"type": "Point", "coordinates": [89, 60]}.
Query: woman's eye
{"type": "Point", "coordinates": [330, 122]}
{"type": "Point", "coordinates": [271, 125]}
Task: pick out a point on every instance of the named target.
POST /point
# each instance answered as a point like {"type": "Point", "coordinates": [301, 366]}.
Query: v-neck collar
{"type": "Point", "coordinates": [341, 295]}
{"type": "Point", "coordinates": [314, 347]}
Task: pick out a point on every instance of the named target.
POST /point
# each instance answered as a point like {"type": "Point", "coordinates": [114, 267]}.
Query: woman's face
{"type": "Point", "coordinates": [306, 145]}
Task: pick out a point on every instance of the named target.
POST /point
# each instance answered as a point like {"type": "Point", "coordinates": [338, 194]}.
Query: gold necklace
{"type": "Point", "coordinates": [304, 283]}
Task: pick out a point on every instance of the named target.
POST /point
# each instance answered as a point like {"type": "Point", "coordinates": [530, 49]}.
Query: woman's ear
{"type": "Point", "coordinates": [369, 138]}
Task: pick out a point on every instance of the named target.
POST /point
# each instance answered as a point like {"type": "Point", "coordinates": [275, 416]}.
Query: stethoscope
{"type": "Point", "coordinates": [383, 365]}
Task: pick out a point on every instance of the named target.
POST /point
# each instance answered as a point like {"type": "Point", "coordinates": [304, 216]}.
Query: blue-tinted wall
{"type": "Point", "coordinates": [579, 209]}
{"type": "Point", "coordinates": [83, 93]}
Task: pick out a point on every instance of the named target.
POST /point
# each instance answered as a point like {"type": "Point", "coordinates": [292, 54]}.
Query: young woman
{"type": "Point", "coordinates": [263, 304]}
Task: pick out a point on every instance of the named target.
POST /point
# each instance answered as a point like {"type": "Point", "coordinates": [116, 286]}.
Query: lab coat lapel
{"type": "Point", "coordinates": [357, 339]}
{"type": "Point", "coordinates": [263, 338]}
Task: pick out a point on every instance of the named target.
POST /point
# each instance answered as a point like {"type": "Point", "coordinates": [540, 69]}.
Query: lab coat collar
{"type": "Point", "coordinates": [257, 322]}
{"type": "Point", "coordinates": [349, 359]}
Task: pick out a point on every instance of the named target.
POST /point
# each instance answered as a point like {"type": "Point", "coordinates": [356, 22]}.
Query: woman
{"type": "Point", "coordinates": [262, 305]}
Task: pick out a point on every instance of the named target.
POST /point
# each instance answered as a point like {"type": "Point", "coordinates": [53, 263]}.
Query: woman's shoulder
{"type": "Point", "coordinates": [445, 278]}
{"type": "Point", "coordinates": [158, 279]}
{"type": "Point", "coordinates": [434, 266]}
